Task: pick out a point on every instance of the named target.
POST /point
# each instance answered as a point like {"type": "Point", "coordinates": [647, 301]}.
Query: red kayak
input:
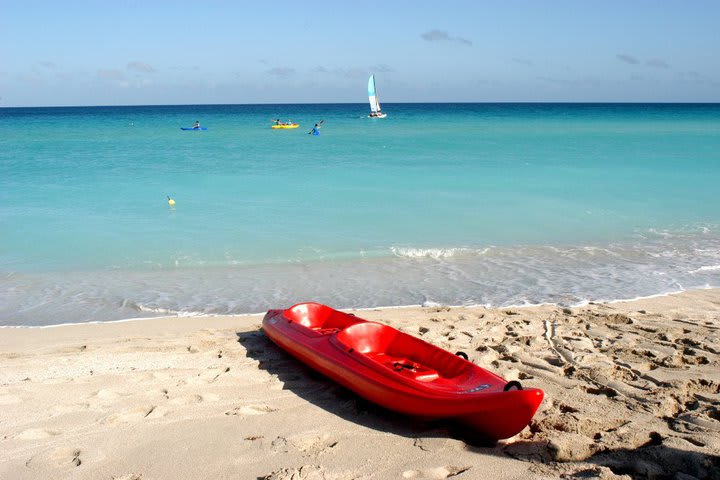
{"type": "Point", "coordinates": [401, 372]}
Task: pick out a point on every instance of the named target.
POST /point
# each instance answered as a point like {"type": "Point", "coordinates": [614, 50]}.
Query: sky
{"type": "Point", "coordinates": [159, 52]}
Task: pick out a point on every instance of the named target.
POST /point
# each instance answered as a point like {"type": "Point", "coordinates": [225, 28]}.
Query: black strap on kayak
{"type": "Point", "coordinates": [397, 366]}
{"type": "Point", "coordinates": [462, 355]}
{"type": "Point", "coordinates": [511, 384]}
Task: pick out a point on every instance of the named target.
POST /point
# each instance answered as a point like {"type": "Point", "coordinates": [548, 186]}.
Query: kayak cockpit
{"type": "Point", "coordinates": [319, 318]}
{"type": "Point", "coordinates": [384, 348]}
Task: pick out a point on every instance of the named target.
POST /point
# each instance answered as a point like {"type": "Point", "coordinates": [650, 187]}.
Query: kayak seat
{"type": "Point", "coordinates": [320, 318]}
{"type": "Point", "coordinates": [407, 355]}
{"type": "Point", "coordinates": [407, 367]}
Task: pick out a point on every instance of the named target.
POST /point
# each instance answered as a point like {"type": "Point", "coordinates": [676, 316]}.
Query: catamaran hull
{"type": "Point", "coordinates": [400, 372]}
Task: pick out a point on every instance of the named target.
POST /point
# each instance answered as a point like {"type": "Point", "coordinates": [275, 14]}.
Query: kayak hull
{"type": "Point", "coordinates": [281, 127]}
{"type": "Point", "coordinates": [400, 372]}
{"type": "Point", "coordinates": [193, 128]}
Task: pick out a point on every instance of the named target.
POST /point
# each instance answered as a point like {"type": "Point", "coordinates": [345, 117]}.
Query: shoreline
{"type": "Point", "coordinates": [632, 391]}
{"type": "Point", "coordinates": [362, 309]}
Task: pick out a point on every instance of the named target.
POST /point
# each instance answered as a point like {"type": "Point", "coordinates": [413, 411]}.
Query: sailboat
{"type": "Point", "coordinates": [375, 111]}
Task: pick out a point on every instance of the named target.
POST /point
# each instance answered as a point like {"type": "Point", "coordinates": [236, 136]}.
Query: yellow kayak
{"type": "Point", "coordinates": [292, 125]}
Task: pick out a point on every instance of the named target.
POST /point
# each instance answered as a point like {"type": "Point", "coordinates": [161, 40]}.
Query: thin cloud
{"type": "Point", "coordinates": [580, 81]}
{"type": "Point", "coordinates": [555, 80]}
{"type": "Point", "coordinates": [653, 62]}
{"type": "Point", "coordinates": [435, 36]}
{"type": "Point", "coordinates": [282, 72]}
{"type": "Point", "coordinates": [111, 74]}
{"type": "Point", "coordinates": [696, 77]}
{"type": "Point", "coordinates": [355, 72]}
{"type": "Point", "coordinates": [523, 61]}
{"type": "Point", "coordinates": [352, 72]}
{"type": "Point", "coordinates": [627, 59]}
{"type": "Point", "coordinates": [382, 68]}
{"type": "Point", "coordinates": [30, 78]}
{"type": "Point", "coordinates": [321, 69]}
{"type": "Point", "coordinates": [690, 75]}
{"type": "Point", "coordinates": [443, 36]}
{"type": "Point", "coordinates": [140, 67]}
{"type": "Point", "coordinates": [657, 63]}
{"type": "Point", "coordinates": [333, 71]}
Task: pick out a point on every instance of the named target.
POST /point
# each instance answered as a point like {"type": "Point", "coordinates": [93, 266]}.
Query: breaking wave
{"type": "Point", "coordinates": [437, 253]}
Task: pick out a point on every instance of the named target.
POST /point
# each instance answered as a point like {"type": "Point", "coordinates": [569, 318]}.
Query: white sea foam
{"type": "Point", "coordinates": [170, 312]}
{"type": "Point", "coordinates": [497, 276]}
{"type": "Point", "coordinates": [706, 268]}
{"type": "Point", "coordinates": [430, 304]}
{"type": "Point", "coordinates": [436, 253]}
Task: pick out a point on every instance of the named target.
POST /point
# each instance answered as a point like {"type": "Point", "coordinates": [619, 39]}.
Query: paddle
{"type": "Point", "coordinates": [318, 125]}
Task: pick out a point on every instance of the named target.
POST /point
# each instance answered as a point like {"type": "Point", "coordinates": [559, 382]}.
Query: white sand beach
{"type": "Point", "coordinates": [632, 391]}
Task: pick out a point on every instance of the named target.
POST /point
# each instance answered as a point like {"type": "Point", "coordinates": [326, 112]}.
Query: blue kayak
{"type": "Point", "coordinates": [193, 128]}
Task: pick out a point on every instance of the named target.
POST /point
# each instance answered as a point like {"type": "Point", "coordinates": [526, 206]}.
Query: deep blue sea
{"type": "Point", "coordinates": [455, 204]}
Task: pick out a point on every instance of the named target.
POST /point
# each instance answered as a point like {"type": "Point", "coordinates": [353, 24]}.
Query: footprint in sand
{"type": "Point", "coordinates": [9, 399]}
{"type": "Point", "coordinates": [210, 376]}
{"type": "Point", "coordinates": [106, 394]}
{"type": "Point", "coordinates": [37, 434]}
{"type": "Point", "coordinates": [197, 398]}
{"type": "Point", "coordinates": [313, 445]}
{"type": "Point", "coordinates": [101, 399]}
{"type": "Point", "coordinates": [130, 416]}
{"type": "Point", "coordinates": [306, 472]}
{"type": "Point", "coordinates": [158, 375]}
{"type": "Point", "coordinates": [65, 457]}
{"type": "Point", "coordinates": [435, 473]}
{"type": "Point", "coordinates": [279, 445]}
{"type": "Point", "coordinates": [431, 444]}
{"type": "Point", "coordinates": [249, 410]}
{"type": "Point", "coordinates": [70, 408]}
{"type": "Point", "coordinates": [69, 456]}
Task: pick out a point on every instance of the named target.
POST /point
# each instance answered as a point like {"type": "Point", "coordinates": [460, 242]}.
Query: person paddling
{"type": "Point", "coordinates": [316, 129]}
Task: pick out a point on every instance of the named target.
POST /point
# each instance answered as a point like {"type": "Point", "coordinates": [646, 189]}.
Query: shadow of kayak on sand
{"type": "Point", "coordinates": [336, 399]}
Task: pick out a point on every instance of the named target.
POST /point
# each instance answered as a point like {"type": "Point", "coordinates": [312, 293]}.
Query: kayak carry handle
{"type": "Point", "coordinates": [462, 355]}
{"type": "Point", "coordinates": [511, 384]}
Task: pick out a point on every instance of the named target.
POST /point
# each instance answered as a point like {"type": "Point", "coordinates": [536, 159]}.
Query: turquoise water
{"type": "Point", "coordinates": [496, 204]}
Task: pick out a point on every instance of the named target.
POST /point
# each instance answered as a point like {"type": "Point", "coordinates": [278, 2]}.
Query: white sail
{"type": "Point", "coordinates": [374, 104]}
{"type": "Point", "coordinates": [372, 96]}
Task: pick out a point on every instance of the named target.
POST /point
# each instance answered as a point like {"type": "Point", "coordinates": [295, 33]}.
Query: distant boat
{"type": "Point", "coordinates": [375, 111]}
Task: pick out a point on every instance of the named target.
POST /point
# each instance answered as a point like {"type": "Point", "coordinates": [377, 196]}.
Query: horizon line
{"type": "Point", "coordinates": [364, 103]}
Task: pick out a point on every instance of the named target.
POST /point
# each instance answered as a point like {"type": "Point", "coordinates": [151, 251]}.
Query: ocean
{"type": "Point", "coordinates": [437, 204]}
